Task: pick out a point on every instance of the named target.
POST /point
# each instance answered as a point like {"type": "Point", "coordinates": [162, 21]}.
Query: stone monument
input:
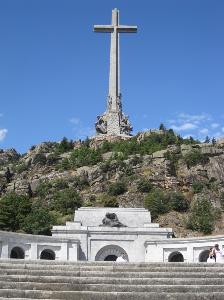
{"type": "Point", "coordinates": [114, 122]}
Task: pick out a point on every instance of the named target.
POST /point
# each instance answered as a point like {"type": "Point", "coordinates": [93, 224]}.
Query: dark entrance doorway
{"type": "Point", "coordinates": [204, 256]}
{"type": "Point", "coordinates": [110, 258]}
{"type": "Point", "coordinates": [176, 257]}
{"type": "Point", "coordinates": [47, 254]}
{"type": "Point", "coordinates": [17, 253]}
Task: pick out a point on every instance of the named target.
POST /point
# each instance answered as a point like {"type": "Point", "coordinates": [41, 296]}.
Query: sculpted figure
{"type": "Point", "coordinates": [126, 127]}
{"type": "Point", "coordinates": [111, 220]}
{"type": "Point", "coordinates": [101, 125]}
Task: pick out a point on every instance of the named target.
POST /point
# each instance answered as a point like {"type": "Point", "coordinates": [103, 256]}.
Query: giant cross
{"type": "Point", "coordinates": [113, 121]}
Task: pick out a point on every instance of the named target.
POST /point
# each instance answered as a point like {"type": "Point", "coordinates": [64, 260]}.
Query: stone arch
{"type": "Point", "coordinates": [203, 256]}
{"type": "Point", "coordinates": [47, 254]}
{"type": "Point", "coordinates": [176, 257]}
{"type": "Point", "coordinates": [110, 253]}
{"type": "Point", "coordinates": [17, 253]}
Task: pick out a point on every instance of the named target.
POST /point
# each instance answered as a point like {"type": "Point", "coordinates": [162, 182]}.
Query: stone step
{"type": "Point", "coordinates": [95, 263]}
{"type": "Point", "coordinates": [77, 295]}
{"type": "Point", "coordinates": [119, 267]}
{"type": "Point", "coordinates": [103, 264]}
{"type": "Point", "coordinates": [55, 282]}
{"type": "Point", "coordinates": [168, 274]}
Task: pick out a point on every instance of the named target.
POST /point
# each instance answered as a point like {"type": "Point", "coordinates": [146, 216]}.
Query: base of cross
{"type": "Point", "coordinates": [97, 140]}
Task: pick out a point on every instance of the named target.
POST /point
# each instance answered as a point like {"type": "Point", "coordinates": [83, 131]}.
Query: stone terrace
{"type": "Point", "coordinates": [107, 280]}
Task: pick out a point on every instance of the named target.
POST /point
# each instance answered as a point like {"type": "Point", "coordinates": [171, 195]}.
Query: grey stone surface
{"type": "Point", "coordinates": [113, 121]}
{"type": "Point", "coordinates": [106, 280]}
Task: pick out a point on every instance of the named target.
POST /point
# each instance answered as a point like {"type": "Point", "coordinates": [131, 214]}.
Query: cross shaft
{"type": "Point", "coordinates": [114, 96]}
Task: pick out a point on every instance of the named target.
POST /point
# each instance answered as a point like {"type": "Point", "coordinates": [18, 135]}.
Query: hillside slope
{"type": "Point", "coordinates": [177, 179]}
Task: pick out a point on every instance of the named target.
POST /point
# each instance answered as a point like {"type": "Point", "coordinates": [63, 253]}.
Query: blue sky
{"type": "Point", "coordinates": [54, 69]}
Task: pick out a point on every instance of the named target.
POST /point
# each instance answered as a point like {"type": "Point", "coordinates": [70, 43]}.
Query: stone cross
{"type": "Point", "coordinates": [111, 122]}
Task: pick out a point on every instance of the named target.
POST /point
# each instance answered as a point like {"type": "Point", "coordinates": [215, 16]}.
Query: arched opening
{"type": "Point", "coordinates": [110, 253]}
{"type": "Point", "coordinates": [17, 253]}
{"type": "Point", "coordinates": [176, 257]}
{"type": "Point", "coordinates": [47, 254]}
{"type": "Point", "coordinates": [203, 256]}
{"type": "Point", "coordinates": [110, 258]}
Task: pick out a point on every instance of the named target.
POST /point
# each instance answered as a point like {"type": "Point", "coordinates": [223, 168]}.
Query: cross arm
{"type": "Point", "coordinates": [124, 28]}
{"type": "Point", "coordinates": [103, 28]}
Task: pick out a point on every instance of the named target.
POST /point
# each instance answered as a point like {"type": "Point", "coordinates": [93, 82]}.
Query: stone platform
{"type": "Point", "coordinates": [110, 281]}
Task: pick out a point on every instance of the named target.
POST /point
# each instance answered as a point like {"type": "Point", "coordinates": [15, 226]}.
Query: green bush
{"type": "Point", "coordinates": [39, 159]}
{"type": "Point", "coordinates": [197, 187]}
{"type": "Point", "coordinates": [39, 221]}
{"type": "Point", "coordinates": [108, 201]}
{"type": "Point", "coordinates": [66, 201]}
{"type": "Point", "coordinates": [202, 216]}
{"type": "Point", "coordinates": [13, 211]}
{"type": "Point", "coordinates": [117, 188]}
{"type": "Point", "coordinates": [222, 201]}
{"type": "Point", "coordinates": [144, 186]}
{"type": "Point", "coordinates": [64, 146]}
{"type": "Point", "coordinates": [44, 189]}
{"type": "Point", "coordinates": [52, 159]}
{"type": "Point", "coordinates": [157, 202]}
{"type": "Point", "coordinates": [60, 184]}
{"type": "Point", "coordinates": [85, 157]}
{"type": "Point", "coordinates": [195, 157]}
{"type": "Point", "coordinates": [64, 165]}
{"type": "Point", "coordinates": [79, 182]}
{"type": "Point", "coordinates": [20, 168]}
{"type": "Point", "coordinates": [178, 202]}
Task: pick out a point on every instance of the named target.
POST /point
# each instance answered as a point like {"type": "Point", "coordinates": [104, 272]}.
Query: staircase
{"type": "Point", "coordinates": [21, 279]}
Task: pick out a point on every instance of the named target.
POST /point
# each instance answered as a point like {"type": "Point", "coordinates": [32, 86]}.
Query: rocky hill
{"type": "Point", "coordinates": [180, 180]}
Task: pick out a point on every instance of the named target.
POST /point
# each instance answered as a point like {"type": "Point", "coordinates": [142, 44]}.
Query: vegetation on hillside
{"type": "Point", "coordinates": [55, 200]}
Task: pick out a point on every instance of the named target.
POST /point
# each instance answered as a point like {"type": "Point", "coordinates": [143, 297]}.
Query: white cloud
{"type": "Point", "coordinates": [3, 133]}
{"type": "Point", "coordinates": [193, 118]}
{"type": "Point", "coordinates": [186, 136]}
{"type": "Point", "coordinates": [218, 134]}
{"type": "Point", "coordinates": [81, 131]}
{"type": "Point", "coordinates": [75, 121]}
{"type": "Point", "coordinates": [204, 131]}
{"type": "Point", "coordinates": [215, 125]}
{"type": "Point", "coordinates": [184, 126]}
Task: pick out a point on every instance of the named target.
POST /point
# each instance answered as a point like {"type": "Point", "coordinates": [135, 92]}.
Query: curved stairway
{"type": "Point", "coordinates": [21, 279]}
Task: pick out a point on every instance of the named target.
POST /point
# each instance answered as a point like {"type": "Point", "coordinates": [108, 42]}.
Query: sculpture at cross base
{"type": "Point", "coordinates": [111, 220]}
{"type": "Point", "coordinates": [114, 121]}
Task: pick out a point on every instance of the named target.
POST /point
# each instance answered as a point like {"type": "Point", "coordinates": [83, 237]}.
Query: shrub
{"type": "Point", "coordinates": [117, 188]}
{"type": "Point", "coordinates": [13, 210]}
{"type": "Point", "coordinates": [195, 157]}
{"type": "Point", "coordinates": [64, 165]}
{"type": "Point", "coordinates": [156, 202]}
{"type": "Point", "coordinates": [39, 159]}
{"type": "Point", "coordinates": [21, 168]}
{"type": "Point", "coordinates": [52, 159]}
{"type": "Point", "coordinates": [64, 146]}
{"type": "Point", "coordinates": [60, 184]}
{"type": "Point", "coordinates": [39, 221]}
{"type": "Point", "coordinates": [108, 201]}
{"type": "Point", "coordinates": [178, 202]}
{"type": "Point", "coordinates": [222, 200]}
{"type": "Point", "coordinates": [44, 189]}
{"type": "Point", "coordinates": [79, 182]}
{"type": "Point", "coordinates": [197, 187]}
{"type": "Point", "coordinates": [201, 216]}
{"type": "Point", "coordinates": [144, 186]}
{"type": "Point", "coordinates": [66, 201]}
{"type": "Point", "coordinates": [85, 156]}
